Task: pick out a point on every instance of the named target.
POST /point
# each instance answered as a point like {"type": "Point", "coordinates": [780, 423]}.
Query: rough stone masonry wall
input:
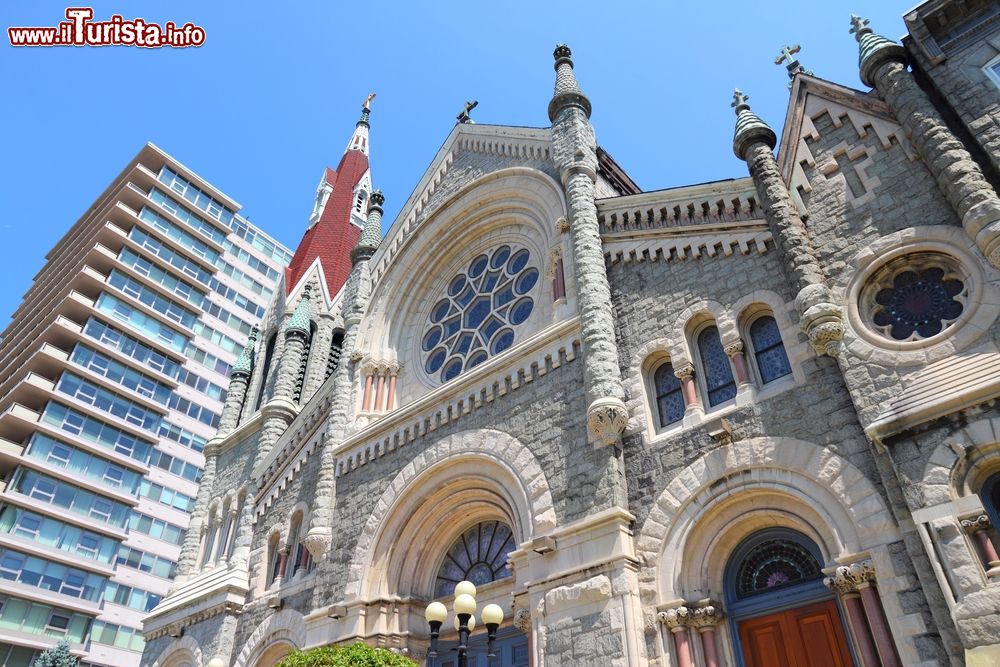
{"type": "Point", "coordinates": [214, 637]}
{"type": "Point", "coordinates": [969, 92]}
{"type": "Point", "coordinates": [648, 294]}
{"type": "Point", "coordinates": [545, 415]}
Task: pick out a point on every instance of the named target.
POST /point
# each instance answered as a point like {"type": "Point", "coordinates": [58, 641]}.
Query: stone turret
{"type": "Point", "coordinates": [882, 65]}
{"type": "Point", "coordinates": [239, 378]}
{"type": "Point", "coordinates": [819, 316]}
{"type": "Point", "coordinates": [357, 293]}
{"type": "Point", "coordinates": [575, 154]}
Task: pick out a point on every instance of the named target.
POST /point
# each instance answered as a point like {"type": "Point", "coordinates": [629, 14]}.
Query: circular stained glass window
{"type": "Point", "coordinates": [915, 297]}
{"type": "Point", "coordinates": [477, 316]}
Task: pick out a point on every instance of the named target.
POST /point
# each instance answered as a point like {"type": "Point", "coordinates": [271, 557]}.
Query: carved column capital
{"type": "Point", "coordinates": [369, 366]}
{"type": "Point", "coordinates": [685, 370]}
{"type": "Point", "coordinates": [522, 619]}
{"type": "Point", "coordinates": [318, 542]}
{"type": "Point", "coordinates": [677, 619]}
{"type": "Point", "coordinates": [733, 348]}
{"type": "Point", "coordinates": [706, 617]}
{"type": "Point", "coordinates": [848, 579]}
{"type": "Point", "coordinates": [393, 368]}
{"type": "Point", "coordinates": [823, 323]}
{"type": "Point", "coordinates": [976, 523]}
{"type": "Point", "coordinates": [607, 417]}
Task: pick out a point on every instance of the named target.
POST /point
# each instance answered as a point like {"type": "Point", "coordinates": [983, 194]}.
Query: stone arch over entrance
{"type": "Point", "coordinates": [718, 501]}
{"type": "Point", "coordinates": [460, 480]}
{"type": "Point", "coordinates": [277, 635]}
{"type": "Point", "coordinates": [182, 652]}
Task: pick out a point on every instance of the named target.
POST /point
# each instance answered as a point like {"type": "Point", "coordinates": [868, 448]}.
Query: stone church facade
{"type": "Point", "coordinates": [748, 422]}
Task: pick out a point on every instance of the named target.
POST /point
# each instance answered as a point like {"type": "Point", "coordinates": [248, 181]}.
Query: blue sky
{"type": "Point", "coordinates": [272, 96]}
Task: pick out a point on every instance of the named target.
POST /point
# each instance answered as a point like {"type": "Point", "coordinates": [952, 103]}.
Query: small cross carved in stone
{"type": "Point", "coordinates": [851, 173]}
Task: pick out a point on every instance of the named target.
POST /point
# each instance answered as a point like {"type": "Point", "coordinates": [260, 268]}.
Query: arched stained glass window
{"type": "Point", "coordinates": [268, 355]}
{"type": "Point", "coordinates": [669, 400]}
{"type": "Point", "coordinates": [479, 555]}
{"type": "Point", "coordinates": [775, 563]}
{"type": "Point", "coordinates": [768, 349]}
{"type": "Point", "coordinates": [719, 380]}
{"type": "Point", "coordinates": [477, 316]}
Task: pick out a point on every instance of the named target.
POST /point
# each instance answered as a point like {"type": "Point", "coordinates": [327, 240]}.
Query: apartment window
{"type": "Point", "coordinates": [59, 454]}
{"type": "Point", "coordinates": [28, 526]}
{"type": "Point", "coordinates": [130, 347]}
{"type": "Point", "coordinates": [78, 462]}
{"type": "Point", "coordinates": [57, 623]}
{"type": "Point", "coordinates": [53, 533]}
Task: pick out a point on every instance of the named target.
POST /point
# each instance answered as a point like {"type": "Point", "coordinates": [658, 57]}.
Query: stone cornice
{"type": "Point", "coordinates": [218, 591]}
{"type": "Point", "coordinates": [713, 203]}
{"type": "Point", "coordinates": [681, 243]}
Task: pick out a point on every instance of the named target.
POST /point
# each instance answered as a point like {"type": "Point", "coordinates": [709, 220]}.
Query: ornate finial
{"type": "Point", "coordinates": [740, 100]}
{"type": "Point", "coordinates": [464, 117]}
{"type": "Point", "coordinates": [874, 50]}
{"type": "Point", "coordinates": [859, 27]}
{"type": "Point", "coordinates": [366, 109]}
{"type": "Point", "coordinates": [376, 199]}
{"type": "Point", "coordinates": [299, 321]}
{"type": "Point", "coordinates": [787, 55]}
{"type": "Point", "coordinates": [244, 363]}
{"type": "Point", "coordinates": [750, 128]}
{"type": "Point", "coordinates": [567, 92]}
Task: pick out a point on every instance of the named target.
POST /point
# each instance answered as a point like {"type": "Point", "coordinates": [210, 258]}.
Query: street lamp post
{"type": "Point", "coordinates": [465, 621]}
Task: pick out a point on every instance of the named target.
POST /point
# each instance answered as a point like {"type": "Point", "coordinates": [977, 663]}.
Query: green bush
{"type": "Point", "coordinates": [355, 655]}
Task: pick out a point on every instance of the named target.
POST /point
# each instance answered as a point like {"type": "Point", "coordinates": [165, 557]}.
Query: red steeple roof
{"type": "Point", "coordinates": [332, 237]}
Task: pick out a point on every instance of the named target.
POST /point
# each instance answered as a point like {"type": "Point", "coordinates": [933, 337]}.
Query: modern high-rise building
{"type": "Point", "coordinates": [113, 374]}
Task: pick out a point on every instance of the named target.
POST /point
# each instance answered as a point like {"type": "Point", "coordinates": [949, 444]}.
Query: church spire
{"type": "Point", "coordinates": [873, 49]}
{"type": "Point", "coordinates": [567, 92]}
{"type": "Point", "coordinates": [359, 140]}
{"type": "Point", "coordinates": [749, 127]}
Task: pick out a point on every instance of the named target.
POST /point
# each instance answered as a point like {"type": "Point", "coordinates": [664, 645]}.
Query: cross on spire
{"type": "Point", "coordinates": [787, 56]}
{"type": "Point", "coordinates": [366, 108]}
{"type": "Point", "coordinates": [464, 117]}
{"type": "Point", "coordinates": [740, 100]}
{"type": "Point", "coordinates": [859, 26]}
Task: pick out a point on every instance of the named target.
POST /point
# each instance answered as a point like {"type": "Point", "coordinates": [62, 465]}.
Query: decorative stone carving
{"type": "Point", "coordinates": [734, 348]}
{"type": "Point", "coordinates": [848, 579]}
{"type": "Point", "coordinates": [823, 323]}
{"type": "Point", "coordinates": [522, 619]}
{"type": "Point", "coordinates": [607, 418]}
{"type": "Point", "coordinates": [318, 543]}
{"type": "Point", "coordinates": [706, 617]}
{"type": "Point", "coordinates": [676, 619]}
{"type": "Point", "coordinates": [684, 371]}
{"type": "Point", "coordinates": [974, 524]}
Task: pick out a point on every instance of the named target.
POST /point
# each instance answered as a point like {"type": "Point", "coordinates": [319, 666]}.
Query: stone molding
{"type": "Point", "coordinates": [678, 209]}
{"type": "Point", "coordinates": [687, 243]}
{"type": "Point", "coordinates": [287, 624]}
{"type": "Point", "coordinates": [181, 648]}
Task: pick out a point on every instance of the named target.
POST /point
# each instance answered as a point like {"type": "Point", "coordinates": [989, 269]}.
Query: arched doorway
{"type": "Point", "coordinates": [780, 612]}
{"type": "Point", "coordinates": [479, 555]}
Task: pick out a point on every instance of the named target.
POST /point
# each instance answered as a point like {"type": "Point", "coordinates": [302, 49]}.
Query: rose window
{"type": "Point", "coordinates": [481, 310]}
{"type": "Point", "coordinates": [915, 298]}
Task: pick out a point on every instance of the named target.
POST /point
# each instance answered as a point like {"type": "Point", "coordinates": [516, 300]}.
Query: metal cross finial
{"type": "Point", "coordinates": [787, 53]}
{"type": "Point", "coordinates": [859, 26]}
{"type": "Point", "coordinates": [368, 102]}
{"type": "Point", "coordinates": [464, 116]}
{"type": "Point", "coordinates": [740, 100]}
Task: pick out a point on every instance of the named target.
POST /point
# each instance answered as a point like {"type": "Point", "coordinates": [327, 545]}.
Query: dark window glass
{"type": "Point", "coordinates": [718, 373]}
{"type": "Point", "coordinates": [768, 350]}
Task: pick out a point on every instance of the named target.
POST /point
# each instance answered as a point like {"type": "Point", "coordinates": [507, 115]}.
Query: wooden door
{"type": "Point", "coordinates": [810, 636]}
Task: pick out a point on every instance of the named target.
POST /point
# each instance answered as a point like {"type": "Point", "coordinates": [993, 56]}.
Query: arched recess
{"type": "Point", "coordinates": [517, 206]}
{"type": "Point", "coordinates": [276, 636]}
{"type": "Point", "coordinates": [461, 480]}
{"type": "Point", "coordinates": [699, 519]}
{"type": "Point", "coordinates": [960, 465]}
{"type": "Point", "coordinates": [182, 652]}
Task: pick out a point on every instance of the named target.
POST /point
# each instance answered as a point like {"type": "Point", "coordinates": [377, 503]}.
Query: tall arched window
{"type": "Point", "coordinates": [716, 370]}
{"type": "Point", "coordinates": [336, 349]}
{"type": "Point", "coordinates": [990, 495]}
{"type": "Point", "coordinates": [301, 559]}
{"type": "Point", "coordinates": [210, 536]}
{"type": "Point", "coordinates": [478, 555]}
{"type": "Point", "coordinates": [268, 355]}
{"type": "Point", "coordinates": [768, 350]}
{"type": "Point", "coordinates": [273, 559]}
{"type": "Point", "coordinates": [669, 401]}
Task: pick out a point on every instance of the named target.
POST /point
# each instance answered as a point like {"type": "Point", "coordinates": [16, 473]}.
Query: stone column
{"type": "Point", "coordinates": [394, 369]}
{"type": "Point", "coordinates": [356, 295]}
{"type": "Point", "coordinates": [282, 567]}
{"type": "Point", "coordinates": [381, 372]}
{"type": "Point", "coordinates": [820, 317]}
{"type": "Point", "coordinates": [704, 620]}
{"type": "Point", "coordinates": [368, 371]}
{"type": "Point", "coordinates": [735, 353]}
{"type": "Point", "coordinates": [689, 391]}
{"type": "Point", "coordinates": [978, 527]}
{"type": "Point", "coordinates": [883, 66]}
{"type": "Point", "coordinates": [575, 154]}
{"type": "Point", "coordinates": [845, 586]}
{"type": "Point", "coordinates": [864, 575]}
{"type": "Point", "coordinates": [234, 513]}
{"type": "Point", "coordinates": [677, 621]}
